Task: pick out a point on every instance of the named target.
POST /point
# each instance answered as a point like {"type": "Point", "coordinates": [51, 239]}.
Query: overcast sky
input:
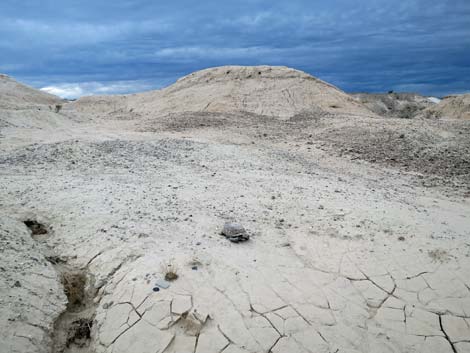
{"type": "Point", "coordinates": [78, 47]}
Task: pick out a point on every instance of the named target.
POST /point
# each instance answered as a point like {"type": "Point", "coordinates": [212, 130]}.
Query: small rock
{"type": "Point", "coordinates": [235, 232]}
{"type": "Point", "coordinates": [162, 284]}
{"type": "Point", "coordinates": [156, 289]}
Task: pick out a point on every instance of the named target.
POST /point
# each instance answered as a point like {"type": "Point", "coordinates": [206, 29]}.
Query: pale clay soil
{"type": "Point", "coordinates": [359, 225]}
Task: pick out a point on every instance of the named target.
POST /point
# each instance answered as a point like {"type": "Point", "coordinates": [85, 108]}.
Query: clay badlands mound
{"type": "Point", "coordinates": [454, 107]}
{"type": "Point", "coordinates": [277, 92]}
{"type": "Point", "coordinates": [271, 91]}
{"type": "Point", "coordinates": [15, 94]}
{"type": "Point", "coordinates": [239, 210]}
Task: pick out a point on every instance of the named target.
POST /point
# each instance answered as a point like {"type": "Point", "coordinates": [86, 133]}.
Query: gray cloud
{"type": "Point", "coordinates": [374, 45]}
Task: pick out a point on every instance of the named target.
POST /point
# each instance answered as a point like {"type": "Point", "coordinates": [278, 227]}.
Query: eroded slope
{"type": "Point", "coordinates": [452, 107]}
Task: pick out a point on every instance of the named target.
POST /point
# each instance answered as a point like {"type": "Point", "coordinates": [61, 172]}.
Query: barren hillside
{"type": "Point", "coordinates": [15, 94]}
{"type": "Point", "coordinates": [452, 107]}
{"type": "Point", "coordinates": [264, 90]}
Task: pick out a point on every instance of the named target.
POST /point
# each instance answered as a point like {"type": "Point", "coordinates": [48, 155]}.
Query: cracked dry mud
{"type": "Point", "coordinates": [344, 255]}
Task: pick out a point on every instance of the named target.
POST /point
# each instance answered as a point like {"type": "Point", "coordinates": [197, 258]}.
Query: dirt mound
{"type": "Point", "coordinates": [262, 90]}
{"type": "Point", "coordinates": [23, 107]}
{"type": "Point", "coordinates": [14, 94]}
{"type": "Point", "coordinates": [395, 105]}
{"type": "Point", "coordinates": [452, 107]}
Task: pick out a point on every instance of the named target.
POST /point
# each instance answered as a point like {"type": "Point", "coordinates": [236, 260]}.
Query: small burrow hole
{"type": "Point", "coordinates": [55, 260]}
{"type": "Point", "coordinates": [79, 333]}
{"type": "Point", "coordinates": [35, 227]}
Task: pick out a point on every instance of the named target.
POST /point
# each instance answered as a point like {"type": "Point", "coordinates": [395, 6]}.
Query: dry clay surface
{"type": "Point", "coordinates": [345, 254]}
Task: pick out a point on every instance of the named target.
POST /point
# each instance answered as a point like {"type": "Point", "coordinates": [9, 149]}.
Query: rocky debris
{"type": "Point", "coordinates": [235, 232]}
{"type": "Point", "coordinates": [395, 105]}
{"type": "Point", "coordinates": [99, 155]}
{"type": "Point", "coordinates": [441, 153]}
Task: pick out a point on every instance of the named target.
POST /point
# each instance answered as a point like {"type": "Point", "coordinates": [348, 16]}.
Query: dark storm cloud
{"type": "Point", "coordinates": [85, 47]}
